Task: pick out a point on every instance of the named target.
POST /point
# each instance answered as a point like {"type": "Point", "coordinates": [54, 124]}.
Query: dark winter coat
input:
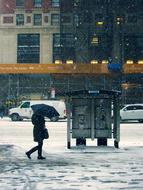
{"type": "Point", "coordinates": [39, 125]}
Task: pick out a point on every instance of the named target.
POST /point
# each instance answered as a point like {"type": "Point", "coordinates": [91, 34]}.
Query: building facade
{"type": "Point", "coordinates": [82, 31]}
{"type": "Point", "coordinates": [105, 31]}
{"type": "Point", "coordinates": [42, 31]}
{"type": "Point", "coordinates": [102, 30]}
{"type": "Point", "coordinates": [27, 29]}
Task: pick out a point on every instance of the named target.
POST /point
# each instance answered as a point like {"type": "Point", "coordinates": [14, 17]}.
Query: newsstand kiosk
{"type": "Point", "coordinates": [93, 114]}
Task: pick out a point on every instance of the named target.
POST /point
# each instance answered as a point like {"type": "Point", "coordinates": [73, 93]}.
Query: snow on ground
{"type": "Point", "coordinates": [82, 168]}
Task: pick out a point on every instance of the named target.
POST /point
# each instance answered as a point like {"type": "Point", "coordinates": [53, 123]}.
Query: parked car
{"type": "Point", "coordinates": [132, 112]}
{"type": "Point", "coordinates": [25, 111]}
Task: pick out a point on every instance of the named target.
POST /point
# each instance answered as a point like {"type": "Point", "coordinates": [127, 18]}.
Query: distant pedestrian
{"type": "Point", "coordinates": [2, 110]}
{"type": "Point", "coordinates": [39, 132]}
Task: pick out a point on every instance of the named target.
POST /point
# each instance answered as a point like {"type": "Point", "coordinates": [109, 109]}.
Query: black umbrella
{"type": "Point", "coordinates": [45, 110]}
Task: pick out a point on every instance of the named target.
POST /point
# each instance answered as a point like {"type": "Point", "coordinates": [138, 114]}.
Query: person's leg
{"type": "Point", "coordinates": [40, 145]}
{"type": "Point", "coordinates": [31, 151]}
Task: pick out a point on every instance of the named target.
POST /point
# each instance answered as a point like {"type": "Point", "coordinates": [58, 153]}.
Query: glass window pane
{"type": "Point", "coordinates": [28, 48]}
{"type": "Point", "coordinates": [55, 19]}
{"type": "Point", "coordinates": [20, 19]}
{"type": "Point", "coordinates": [56, 40]}
{"type": "Point", "coordinates": [37, 3]}
{"type": "Point", "coordinates": [19, 3]}
{"type": "Point", "coordinates": [37, 19]}
{"type": "Point", "coordinates": [25, 105]}
{"type": "Point", "coordinates": [55, 3]}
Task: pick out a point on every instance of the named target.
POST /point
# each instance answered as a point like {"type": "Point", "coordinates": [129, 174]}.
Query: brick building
{"type": "Point", "coordinates": [27, 30]}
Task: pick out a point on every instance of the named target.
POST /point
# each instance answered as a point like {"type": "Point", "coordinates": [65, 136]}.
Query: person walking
{"type": "Point", "coordinates": [39, 135]}
{"type": "Point", "coordinates": [2, 110]}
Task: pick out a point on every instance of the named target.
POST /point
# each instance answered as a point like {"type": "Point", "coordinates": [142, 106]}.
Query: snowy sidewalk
{"type": "Point", "coordinates": [90, 168]}
{"type": "Point", "coordinates": [99, 168]}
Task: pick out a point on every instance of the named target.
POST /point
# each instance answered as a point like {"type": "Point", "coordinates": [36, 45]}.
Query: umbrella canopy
{"type": "Point", "coordinates": [45, 110]}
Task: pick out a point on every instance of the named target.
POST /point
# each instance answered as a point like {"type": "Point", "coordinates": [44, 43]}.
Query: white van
{"type": "Point", "coordinates": [24, 110]}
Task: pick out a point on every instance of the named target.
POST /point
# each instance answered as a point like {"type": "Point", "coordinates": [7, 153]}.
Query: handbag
{"type": "Point", "coordinates": [45, 133]}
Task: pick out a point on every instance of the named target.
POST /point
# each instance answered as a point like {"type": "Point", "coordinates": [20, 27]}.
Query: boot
{"type": "Point", "coordinates": [41, 158]}
{"type": "Point", "coordinates": [28, 155]}
{"type": "Point", "coordinates": [31, 151]}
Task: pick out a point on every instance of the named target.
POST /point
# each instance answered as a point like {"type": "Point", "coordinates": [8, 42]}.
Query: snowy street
{"type": "Point", "coordinates": [83, 168]}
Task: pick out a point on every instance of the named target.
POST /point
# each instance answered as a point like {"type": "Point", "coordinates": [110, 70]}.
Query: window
{"type": "Point", "coordinates": [68, 40]}
{"type": "Point", "coordinates": [132, 19]}
{"type": "Point", "coordinates": [76, 19]}
{"type": "Point", "coordinates": [141, 16]}
{"type": "Point", "coordinates": [7, 19]}
{"type": "Point", "coordinates": [37, 19]}
{"type": "Point", "coordinates": [128, 108]}
{"type": "Point", "coordinates": [28, 48]}
{"type": "Point", "coordinates": [28, 19]}
{"type": "Point", "coordinates": [133, 47]}
{"type": "Point", "coordinates": [66, 19]}
{"type": "Point", "coordinates": [25, 105]}
{"type": "Point", "coordinates": [99, 19]}
{"type": "Point", "coordinates": [68, 50]}
{"type": "Point", "coordinates": [19, 3]}
{"type": "Point", "coordinates": [20, 19]}
{"type": "Point", "coordinates": [56, 47]}
{"type": "Point", "coordinates": [46, 19]}
{"type": "Point", "coordinates": [139, 107]}
{"type": "Point", "coordinates": [87, 17]}
{"type": "Point", "coordinates": [134, 108]}
{"type": "Point", "coordinates": [55, 3]}
{"type": "Point", "coordinates": [55, 19]}
{"type": "Point", "coordinates": [56, 40]}
{"type": "Point", "coordinates": [37, 3]}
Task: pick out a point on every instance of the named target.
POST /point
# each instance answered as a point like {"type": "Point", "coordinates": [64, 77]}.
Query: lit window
{"type": "Point", "coordinates": [100, 23]}
{"type": "Point", "coordinates": [20, 19]}
{"type": "Point", "coordinates": [55, 19]}
{"type": "Point", "coordinates": [55, 3]}
{"type": "Point", "coordinates": [37, 19]}
{"type": "Point", "coordinates": [94, 40]}
{"type": "Point", "coordinates": [37, 3]}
